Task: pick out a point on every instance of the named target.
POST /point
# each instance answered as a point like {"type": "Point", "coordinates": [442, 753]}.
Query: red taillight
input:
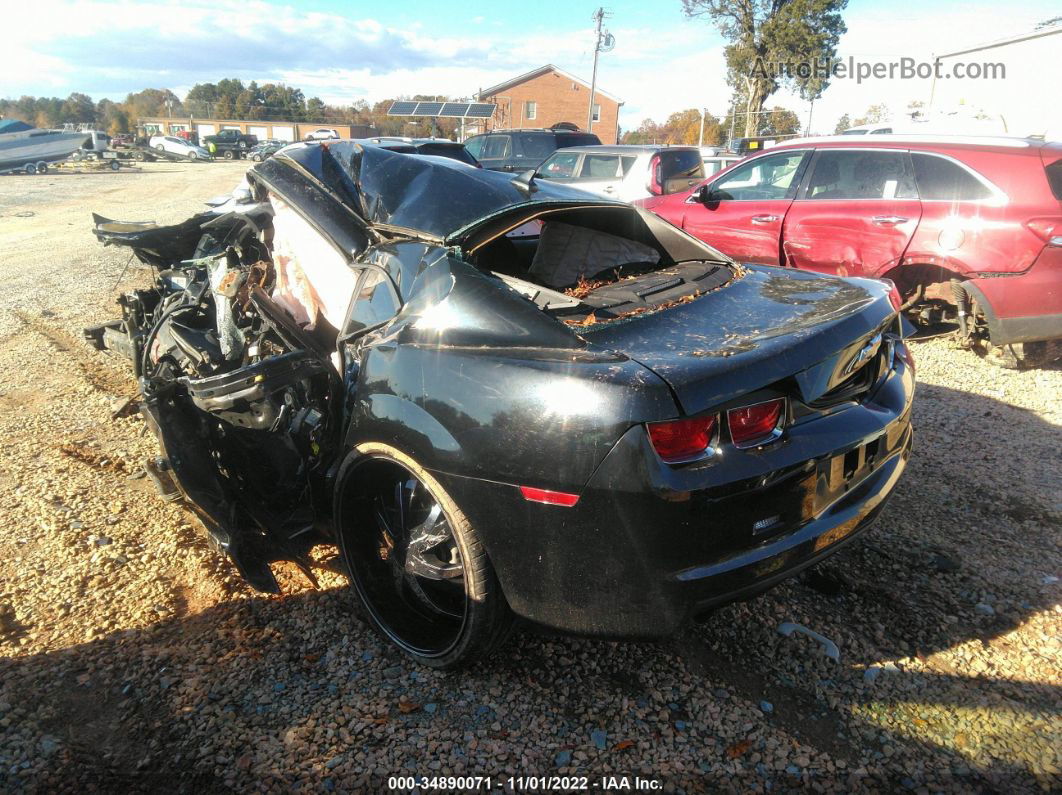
{"type": "Point", "coordinates": [1047, 229]}
{"type": "Point", "coordinates": [655, 185]}
{"type": "Point", "coordinates": [682, 440]}
{"type": "Point", "coordinates": [549, 497]}
{"type": "Point", "coordinates": [756, 424]}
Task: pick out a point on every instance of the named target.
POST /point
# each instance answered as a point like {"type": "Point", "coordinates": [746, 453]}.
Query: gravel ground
{"type": "Point", "coordinates": [132, 658]}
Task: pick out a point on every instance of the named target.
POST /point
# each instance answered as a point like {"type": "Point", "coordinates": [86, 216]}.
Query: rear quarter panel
{"type": "Point", "coordinates": [471, 379]}
{"type": "Point", "coordinates": [986, 236]}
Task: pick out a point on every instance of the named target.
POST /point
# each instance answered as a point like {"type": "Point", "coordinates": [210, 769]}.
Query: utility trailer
{"type": "Point", "coordinates": [71, 165]}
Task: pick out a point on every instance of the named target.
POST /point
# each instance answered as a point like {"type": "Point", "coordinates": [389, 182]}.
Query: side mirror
{"type": "Point", "coordinates": [702, 194]}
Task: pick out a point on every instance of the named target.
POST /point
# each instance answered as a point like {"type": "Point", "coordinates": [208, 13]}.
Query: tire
{"type": "Point", "coordinates": [192, 156]}
{"type": "Point", "coordinates": [29, 168]}
{"type": "Point", "coordinates": [1026, 355]}
{"type": "Point", "coordinates": [42, 167]}
{"type": "Point", "coordinates": [115, 165]}
{"type": "Point", "coordinates": [160, 147]}
{"type": "Point", "coordinates": [229, 154]}
{"type": "Point", "coordinates": [76, 157]}
{"type": "Point", "coordinates": [138, 156]}
{"type": "Point", "coordinates": [441, 604]}
{"type": "Point", "coordinates": [256, 158]}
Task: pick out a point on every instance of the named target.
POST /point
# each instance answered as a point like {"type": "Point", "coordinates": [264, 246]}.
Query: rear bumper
{"type": "Point", "coordinates": [1026, 307]}
{"type": "Point", "coordinates": [648, 546]}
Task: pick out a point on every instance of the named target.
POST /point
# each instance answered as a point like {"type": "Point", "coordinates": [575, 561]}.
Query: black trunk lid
{"type": "Point", "coordinates": [768, 325]}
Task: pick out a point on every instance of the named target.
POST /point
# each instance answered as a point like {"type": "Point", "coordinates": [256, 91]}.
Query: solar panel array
{"type": "Point", "coordinates": [449, 110]}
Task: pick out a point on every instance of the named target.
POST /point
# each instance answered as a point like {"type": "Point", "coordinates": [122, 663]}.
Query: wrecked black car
{"type": "Point", "coordinates": [502, 399]}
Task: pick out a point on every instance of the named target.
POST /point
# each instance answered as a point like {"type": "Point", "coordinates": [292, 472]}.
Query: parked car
{"type": "Point", "coordinates": [625, 172]}
{"type": "Point", "coordinates": [178, 146]}
{"type": "Point", "coordinates": [521, 150]}
{"type": "Point", "coordinates": [605, 429]}
{"type": "Point", "coordinates": [230, 144]}
{"type": "Point", "coordinates": [265, 149]}
{"type": "Point", "coordinates": [969, 229]}
{"type": "Point", "coordinates": [882, 128]}
{"type": "Point", "coordinates": [322, 134]}
{"type": "Point", "coordinates": [437, 147]}
{"type": "Point", "coordinates": [716, 159]}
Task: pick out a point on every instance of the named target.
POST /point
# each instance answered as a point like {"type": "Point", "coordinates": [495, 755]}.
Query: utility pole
{"type": "Point", "coordinates": [603, 42]}
{"type": "Point", "coordinates": [599, 15]}
{"type": "Point", "coordinates": [733, 115]}
{"type": "Point", "coordinates": [700, 136]}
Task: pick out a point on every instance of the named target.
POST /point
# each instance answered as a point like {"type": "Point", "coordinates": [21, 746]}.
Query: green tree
{"type": "Point", "coordinates": [315, 109]}
{"type": "Point", "coordinates": [284, 102]}
{"type": "Point", "coordinates": [228, 90]}
{"type": "Point", "coordinates": [112, 117]}
{"type": "Point", "coordinates": [875, 115]}
{"type": "Point", "coordinates": [648, 132]}
{"type": "Point", "coordinates": [765, 33]}
{"type": "Point", "coordinates": [843, 124]}
{"type": "Point", "coordinates": [201, 99]}
{"type": "Point", "coordinates": [78, 109]}
{"type": "Point", "coordinates": [780, 121]}
{"type": "Point", "coordinates": [153, 102]}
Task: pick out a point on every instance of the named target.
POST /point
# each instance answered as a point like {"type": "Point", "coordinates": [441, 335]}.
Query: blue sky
{"type": "Point", "coordinates": [343, 51]}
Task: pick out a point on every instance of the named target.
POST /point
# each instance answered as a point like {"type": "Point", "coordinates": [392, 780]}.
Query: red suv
{"type": "Point", "coordinates": [969, 229]}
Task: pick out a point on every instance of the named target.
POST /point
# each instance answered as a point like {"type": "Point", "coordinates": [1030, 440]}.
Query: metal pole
{"type": "Point", "coordinates": [599, 16]}
{"type": "Point", "coordinates": [811, 110]}
{"type": "Point", "coordinates": [700, 137]}
{"type": "Point", "coordinates": [933, 85]}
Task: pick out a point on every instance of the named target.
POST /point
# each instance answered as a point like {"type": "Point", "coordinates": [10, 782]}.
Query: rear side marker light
{"type": "Point", "coordinates": [549, 497]}
{"type": "Point", "coordinates": [679, 441]}
{"type": "Point", "coordinates": [760, 423]}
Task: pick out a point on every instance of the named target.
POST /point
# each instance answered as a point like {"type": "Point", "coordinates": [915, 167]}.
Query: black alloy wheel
{"type": "Point", "coordinates": [417, 565]}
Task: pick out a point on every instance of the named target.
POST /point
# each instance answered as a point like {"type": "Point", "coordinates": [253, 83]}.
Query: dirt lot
{"type": "Point", "coordinates": [132, 658]}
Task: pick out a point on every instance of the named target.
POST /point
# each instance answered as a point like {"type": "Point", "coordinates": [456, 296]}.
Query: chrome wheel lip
{"type": "Point", "coordinates": [369, 601]}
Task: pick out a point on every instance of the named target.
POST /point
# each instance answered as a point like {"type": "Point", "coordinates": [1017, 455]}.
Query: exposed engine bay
{"type": "Point", "coordinates": [244, 399]}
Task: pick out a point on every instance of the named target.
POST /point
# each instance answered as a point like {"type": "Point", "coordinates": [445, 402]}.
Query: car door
{"type": "Point", "coordinates": [855, 213]}
{"type": "Point", "coordinates": [741, 212]}
{"type": "Point", "coordinates": [496, 152]}
{"type": "Point", "coordinates": [530, 149]}
{"type": "Point", "coordinates": [600, 173]}
{"type": "Point", "coordinates": [561, 166]}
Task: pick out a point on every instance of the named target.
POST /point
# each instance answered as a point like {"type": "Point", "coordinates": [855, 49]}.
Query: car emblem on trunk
{"type": "Point", "coordinates": [866, 353]}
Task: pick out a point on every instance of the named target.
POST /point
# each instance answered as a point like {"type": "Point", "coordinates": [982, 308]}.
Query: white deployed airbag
{"type": "Point", "coordinates": [313, 278]}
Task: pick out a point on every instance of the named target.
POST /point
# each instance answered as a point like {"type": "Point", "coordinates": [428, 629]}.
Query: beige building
{"type": "Point", "coordinates": [548, 95]}
{"type": "Point", "coordinates": [280, 130]}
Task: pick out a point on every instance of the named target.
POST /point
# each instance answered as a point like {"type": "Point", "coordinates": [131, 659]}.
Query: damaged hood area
{"type": "Point", "coordinates": [430, 197]}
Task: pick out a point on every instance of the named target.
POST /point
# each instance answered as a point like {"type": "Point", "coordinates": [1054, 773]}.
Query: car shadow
{"type": "Point", "coordinates": [294, 691]}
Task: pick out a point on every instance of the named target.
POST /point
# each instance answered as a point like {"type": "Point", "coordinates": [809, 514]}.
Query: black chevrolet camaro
{"type": "Point", "coordinates": [504, 399]}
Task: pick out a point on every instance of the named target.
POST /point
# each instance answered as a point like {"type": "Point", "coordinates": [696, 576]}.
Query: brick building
{"type": "Point", "coordinates": [547, 95]}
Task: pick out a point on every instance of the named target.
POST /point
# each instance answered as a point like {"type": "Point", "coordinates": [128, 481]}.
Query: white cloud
{"type": "Point", "coordinates": [111, 47]}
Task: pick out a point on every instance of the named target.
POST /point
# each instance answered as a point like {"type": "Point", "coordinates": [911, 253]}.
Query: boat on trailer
{"type": "Point", "coordinates": [22, 144]}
